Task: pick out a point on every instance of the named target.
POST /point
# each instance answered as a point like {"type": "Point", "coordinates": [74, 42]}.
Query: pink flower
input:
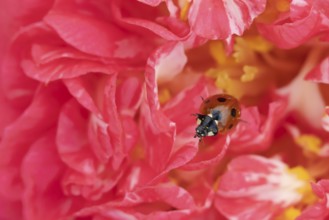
{"type": "Point", "coordinates": [302, 21]}
{"type": "Point", "coordinates": [98, 103]}
{"type": "Point", "coordinates": [258, 188]}
{"type": "Point", "coordinates": [320, 209]}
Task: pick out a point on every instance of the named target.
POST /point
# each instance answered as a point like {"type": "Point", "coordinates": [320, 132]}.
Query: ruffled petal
{"type": "Point", "coordinates": [213, 19]}
{"type": "Point", "coordinates": [305, 20]}
{"type": "Point", "coordinates": [320, 73]}
{"type": "Point", "coordinates": [147, 201]}
{"type": "Point", "coordinates": [320, 209]}
{"type": "Point", "coordinates": [255, 187]}
{"type": "Point", "coordinates": [40, 116]}
{"type": "Point", "coordinates": [158, 129]}
{"type": "Point", "coordinates": [254, 133]}
{"type": "Point", "coordinates": [41, 173]}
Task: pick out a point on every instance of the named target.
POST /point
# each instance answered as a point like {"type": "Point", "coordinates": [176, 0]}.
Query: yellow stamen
{"type": "Point", "coordinates": [290, 213]}
{"type": "Point", "coordinates": [306, 190]}
{"type": "Point", "coordinates": [249, 73]}
{"type": "Point", "coordinates": [218, 52]}
{"type": "Point", "coordinates": [246, 48]}
{"type": "Point", "coordinates": [164, 96]}
{"type": "Point", "coordinates": [184, 10]}
{"type": "Point", "coordinates": [282, 5]}
{"type": "Point", "coordinates": [309, 143]}
{"type": "Point", "coordinates": [259, 44]}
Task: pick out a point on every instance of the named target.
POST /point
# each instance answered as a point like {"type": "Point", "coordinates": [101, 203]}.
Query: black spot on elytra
{"type": "Point", "coordinates": [233, 112]}
{"type": "Point", "coordinates": [221, 99]}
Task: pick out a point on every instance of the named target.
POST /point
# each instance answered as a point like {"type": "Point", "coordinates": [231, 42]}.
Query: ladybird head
{"type": "Point", "coordinates": [207, 125]}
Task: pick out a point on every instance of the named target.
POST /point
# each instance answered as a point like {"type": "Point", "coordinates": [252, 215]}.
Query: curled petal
{"type": "Point", "coordinates": [85, 32]}
{"type": "Point", "coordinates": [254, 187]}
{"type": "Point", "coordinates": [149, 200]}
{"type": "Point", "coordinates": [320, 209]}
{"type": "Point", "coordinates": [152, 2]}
{"type": "Point", "coordinates": [320, 73]}
{"type": "Point", "coordinates": [255, 132]}
{"type": "Point", "coordinates": [210, 157]}
{"type": "Point", "coordinates": [170, 64]}
{"type": "Point", "coordinates": [218, 19]}
{"type": "Point", "coordinates": [305, 20]}
{"type": "Point", "coordinates": [158, 129]}
{"type": "Point", "coordinates": [40, 116]}
{"type": "Point", "coordinates": [41, 174]}
{"type": "Point", "coordinates": [60, 69]}
{"type": "Point", "coordinates": [290, 35]}
{"type": "Point", "coordinates": [96, 37]}
{"type": "Point", "coordinates": [8, 113]}
{"type": "Point", "coordinates": [145, 26]}
{"type": "Point", "coordinates": [71, 139]}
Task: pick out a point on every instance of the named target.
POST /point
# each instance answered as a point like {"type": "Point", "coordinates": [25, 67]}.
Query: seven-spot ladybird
{"type": "Point", "coordinates": [218, 114]}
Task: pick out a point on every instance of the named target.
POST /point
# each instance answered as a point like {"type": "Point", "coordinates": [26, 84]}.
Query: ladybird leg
{"type": "Point", "coordinates": [196, 115]}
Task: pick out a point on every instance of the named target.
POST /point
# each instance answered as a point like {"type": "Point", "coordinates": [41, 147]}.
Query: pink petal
{"type": "Point", "coordinates": [18, 88]}
{"type": "Point", "coordinates": [256, 187]}
{"type": "Point", "coordinates": [8, 113]}
{"type": "Point", "coordinates": [320, 209]}
{"type": "Point", "coordinates": [158, 130]}
{"type": "Point", "coordinates": [147, 200]}
{"type": "Point", "coordinates": [152, 2]}
{"type": "Point", "coordinates": [217, 19]}
{"type": "Point", "coordinates": [299, 91]}
{"type": "Point", "coordinates": [85, 33]}
{"type": "Point", "coordinates": [129, 94]}
{"type": "Point", "coordinates": [320, 73]}
{"type": "Point", "coordinates": [85, 91]}
{"type": "Point", "coordinates": [61, 69]}
{"type": "Point", "coordinates": [291, 34]}
{"type": "Point", "coordinates": [41, 174]}
{"type": "Point", "coordinates": [210, 157]}
{"type": "Point", "coordinates": [84, 173]}
{"type": "Point", "coordinates": [147, 26]}
{"type": "Point", "coordinates": [305, 20]}
{"type": "Point", "coordinates": [115, 127]}
{"type": "Point", "coordinates": [179, 110]}
{"type": "Point", "coordinates": [100, 97]}
{"type": "Point", "coordinates": [46, 53]}
{"type": "Point", "coordinates": [170, 63]}
{"type": "Point", "coordinates": [71, 139]}
{"type": "Point", "coordinates": [40, 116]}
{"type": "Point", "coordinates": [82, 91]}
{"type": "Point", "coordinates": [255, 132]}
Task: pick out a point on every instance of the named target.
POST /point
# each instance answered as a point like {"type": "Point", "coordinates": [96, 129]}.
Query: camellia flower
{"type": "Point", "coordinates": [98, 104]}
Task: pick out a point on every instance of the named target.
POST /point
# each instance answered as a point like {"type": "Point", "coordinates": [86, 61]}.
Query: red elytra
{"type": "Point", "coordinates": [229, 108]}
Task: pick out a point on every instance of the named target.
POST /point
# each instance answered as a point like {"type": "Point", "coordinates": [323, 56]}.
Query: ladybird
{"type": "Point", "coordinates": [218, 114]}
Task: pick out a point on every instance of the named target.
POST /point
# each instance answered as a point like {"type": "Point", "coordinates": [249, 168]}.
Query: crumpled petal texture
{"type": "Point", "coordinates": [320, 209]}
{"type": "Point", "coordinates": [99, 103]}
{"type": "Point", "coordinates": [223, 18]}
{"type": "Point", "coordinates": [305, 19]}
{"type": "Point", "coordinates": [237, 195]}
